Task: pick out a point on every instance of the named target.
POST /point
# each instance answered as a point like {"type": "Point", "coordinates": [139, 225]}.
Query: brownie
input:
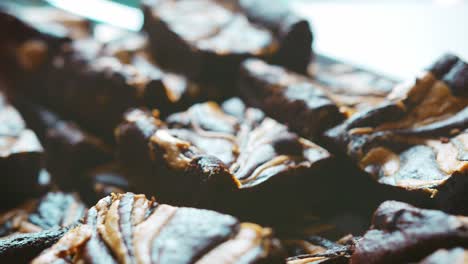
{"type": "Point", "coordinates": [28, 41]}
{"type": "Point", "coordinates": [212, 37]}
{"type": "Point", "coordinates": [352, 88]}
{"type": "Point", "coordinates": [216, 156]}
{"type": "Point", "coordinates": [70, 152]}
{"type": "Point", "coordinates": [54, 209]}
{"type": "Point", "coordinates": [37, 225]}
{"type": "Point", "coordinates": [310, 105]}
{"type": "Point", "coordinates": [130, 228]}
{"type": "Point", "coordinates": [20, 156]}
{"type": "Point", "coordinates": [288, 97]}
{"type": "Point", "coordinates": [87, 80]}
{"type": "Point", "coordinates": [95, 83]}
{"type": "Point", "coordinates": [401, 233]}
{"type": "Point", "coordinates": [416, 142]}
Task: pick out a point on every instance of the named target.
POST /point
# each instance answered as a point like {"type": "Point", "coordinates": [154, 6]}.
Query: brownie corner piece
{"type": "Point", "coordinates": [416, 142]}
{"type": "Point", "coordinates": [211, 36]}
{"type": "Point", "coordinates": [162, 232]}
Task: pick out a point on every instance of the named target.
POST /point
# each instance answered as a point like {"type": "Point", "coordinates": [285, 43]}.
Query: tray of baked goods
{"type": "Point", "coordinates": [217, 135]}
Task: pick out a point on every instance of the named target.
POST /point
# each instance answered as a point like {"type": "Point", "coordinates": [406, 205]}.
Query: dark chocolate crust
{"type": "Point", "coordinates": [148, 232]}
{"type": "Point", "coordinates": [417, 140]}
{"type": "Point", "coordinates": [402, 233]}
{"type": "Point", "coordinates": [214, 37]}
{"type": "Point", "coordinates": [23, 248]}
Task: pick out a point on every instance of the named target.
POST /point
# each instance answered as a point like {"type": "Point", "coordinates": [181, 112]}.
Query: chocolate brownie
{"type": "Point", "coordinates": [211, 153]}
{"type": "Point", "coordinates": [36, 225]}
{"type": "Point", "coordinates": [417, 141]}
{"type": "Point", "coordinates": [288, 97]}
{"type": "Point", "coordinates": [20, 156]}
{"type": "Point", "coordinates": [401, 233]}
{"type": "Point", "coordinates": [307, 105]}
{"type": "Point", "coordinates": [130, 228]}
{"type": "Point", "coordinates": [55, 209]}
{"type": "Point", "coordinates": [212, 37]}
{"type": "Point", "coordinates": [70, 152]}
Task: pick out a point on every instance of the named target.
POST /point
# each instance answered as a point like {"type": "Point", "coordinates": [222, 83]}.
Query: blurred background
{"type": "Point", "coordinates": [396, 38]}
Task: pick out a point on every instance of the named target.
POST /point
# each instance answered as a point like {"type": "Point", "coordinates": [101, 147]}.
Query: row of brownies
{"type": "Point", "coordinates": [178, 137]}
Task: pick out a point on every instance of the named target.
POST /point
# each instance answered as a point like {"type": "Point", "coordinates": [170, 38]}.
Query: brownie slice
{"type": "Point", "coordinates": [37, 225]}
{"type": "Point", "coordinates": [70, 152]}
{"type": "Point", "coordinates": [353, 89]}
{"type": "Point", "coordinates": [307, 105]}
{"type": "Point", "coordinates": [20, 156]}
{"type": "Point", "coordinates": [29, 38]}
{"type": "Point", "coordinates": [210, 154]}
{"type": "Point", "coordinates": [130, 228]}
{"type": "Point", "coordinates": [288, 97]}
{"type": "Point", "coordinates": [416, 142]}
{"type": "Point", "coordinates": [91, 82]}
{"type": "Point", "coordinates": [55, 209]}
{"type": "Point", "coordinates": [212, 37]}
{"type": "Point", "coordinates": [402, 233]}
{"type": "Point", "coordinates": [95, 83]}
